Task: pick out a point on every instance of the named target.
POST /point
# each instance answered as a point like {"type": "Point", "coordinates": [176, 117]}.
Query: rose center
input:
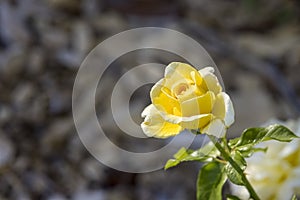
{"type": "Point", "coordinates": [181, 88]}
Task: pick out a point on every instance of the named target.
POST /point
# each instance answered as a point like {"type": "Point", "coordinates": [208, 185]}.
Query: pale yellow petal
{"type": "Point", "coordinates": [196, 122]}
{"type": "Point", "coordinates": [223, 109]}
{"type": "Point", "coordinates": [147, 111]}
{"type": "Point", "coordinates": [162, 100]}
{"type": "Point", "coordinates": [216, 128]}
{"type": "Point", "coordinates": [210, 79]}
{"type": "Point", "coordinates": [182, 69]}
{"type": "Point", "coordinates": [199, 105]}
{"type": "Point", "coordinates": [196, 77]}
{"type": "Point", "coordinates": [155, 126]}
{"type": "Point", "coordinates": [177, 72]}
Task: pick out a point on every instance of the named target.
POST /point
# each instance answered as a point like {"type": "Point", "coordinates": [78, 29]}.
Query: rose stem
{"type": "Point", "coordinates": [227, 157]}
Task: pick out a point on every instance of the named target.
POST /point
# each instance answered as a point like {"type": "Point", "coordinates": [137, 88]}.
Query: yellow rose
{"type": "Point", "coordinates": [187, 99]}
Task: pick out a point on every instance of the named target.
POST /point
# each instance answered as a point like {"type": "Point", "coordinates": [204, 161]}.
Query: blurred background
{"type": "Point", "coordinates": [254, 43]}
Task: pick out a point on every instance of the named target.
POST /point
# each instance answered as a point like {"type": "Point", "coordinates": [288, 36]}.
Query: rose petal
{"type": "Point", "coordinates": [289, 188]}
{"type": "Point", "coordinates": [147, 111]}
{"type": "Point", "coordinates": [181, 72]}
{"type": "Point", "coordinates": [177, 119]}
{"type": "Point", "coordinates": [215, 128]}
{"type": "Point", "coordinates": [199, 105]}
{"type": "Point", "coordinates": [183, 91]}
{"type": "Point", "coordinates": [163, 101]}
{"type": "Point", "coordinates": [223, 109]}
{"type": "Point", "coordinates": [210, 79]}
{"type": "Point", "coordinates": [196, 122]}
{"type": "Point", "coordinates": [155, 126]}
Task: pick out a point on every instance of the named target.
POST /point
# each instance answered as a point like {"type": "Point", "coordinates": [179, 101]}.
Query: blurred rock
{"type": "Point", "coordinates": [56, 197]}
{"type": "Point", "coordinates": [92, 169]}
{"type": "Point", "coordinates": [56, 134]}
{"type": "Point", "coordinates": [6, 151]}
{"type": "Point", "coordinates": [120, 193]}
{"type": "Point", "coordinates": [75, 149]}
{"type": "Point", "coordinates": [109, 23]}
{"type": "Point", "coordinates": [12, 63]}
{"type": "Point", "coordinates": [59, 99]}
{"type": "Point", "coordinates": [21, 163]}
{"type": "Point", "coordinates": [91, 195]}
{"type": "Point", "coordinates": [13, 29]}
{"type": "Point", "coordinates": [167, 185]}
{"type": "Point", "coordinates": [23, 95]}
{"type": "Point", "coordinates": [272, 45]}
{"type": "Point", "coordinates": [81, 43]}
{"type": "Point", "coordinates": [5, 114]}
{"type": "Point", "coordinates": [29, 103]}
{"type": "Point", "coordinates": [36, 61]}
{"type": "Point", "coordinates": [36, 182]}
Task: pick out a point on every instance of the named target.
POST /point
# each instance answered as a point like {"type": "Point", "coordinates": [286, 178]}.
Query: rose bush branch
{"type": "Point", "coordinates": [227, 157]}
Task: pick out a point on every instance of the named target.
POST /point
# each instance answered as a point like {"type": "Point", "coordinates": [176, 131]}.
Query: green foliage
{"type": "Point", "coordinates": [227, 160]}
{"type": "Point", "coordinates": [248, 152]}
{"type": "Point", "coordinates": [252, 136]}
{"type": "Point", "coordinates": [232, 174]}
{"type": "Point", "coordinates": [204, 154]}
{"type": "Point", "coordinates": [210, 181]}
{"type": "Point", "coordinates": [294, 197]}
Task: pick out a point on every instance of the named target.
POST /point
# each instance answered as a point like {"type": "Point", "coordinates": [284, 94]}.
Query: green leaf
{"type": "Point", "coordinates": [204, 154]}
{"type": "Point", "coordinates": [210, 181]}
{"type": "Point", "coordinates": [294, 197]}
{"type": "Point", "coordinates": [184, 155]}
{"type": "Point", "coordinates": [232, 197]}
{"type": "Point", "coordinates": [181, 154]}
{"type": "Point", "coordinates": [233, 141]}
{"type": "Point", "coordinates": [232, 174]}
{"type": "Point", "coordinates": [248, 152]}
{"type": "Point", "coordinates": [253, 136]}
{"type": "Point", "coordinates": [209, 149]}
{"type": "Point", "coordinates": [171, 163]}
